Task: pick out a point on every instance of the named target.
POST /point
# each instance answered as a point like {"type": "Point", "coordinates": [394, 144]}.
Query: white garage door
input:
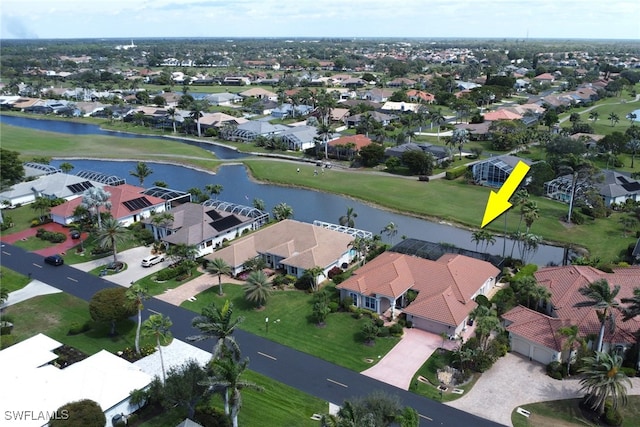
{"type": "Point", "coordinates": [542, 355]}
{"type": "Point", "coordinates": [519, 346]}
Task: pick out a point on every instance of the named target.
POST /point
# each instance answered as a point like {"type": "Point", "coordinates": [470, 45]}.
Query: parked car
{"type": "Point", "coordinates": [152, 260]}
{"type": "Point", "coordinates": [75, 234]}
{"type": "Point", "coordinates": [54, 260]}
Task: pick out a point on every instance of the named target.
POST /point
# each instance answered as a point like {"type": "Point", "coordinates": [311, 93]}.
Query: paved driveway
{"type": "Point", "coordinates": [399, 365]}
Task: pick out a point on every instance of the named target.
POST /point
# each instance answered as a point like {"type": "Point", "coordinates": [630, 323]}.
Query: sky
{"type": "Point", "coordinates": [558, 19]}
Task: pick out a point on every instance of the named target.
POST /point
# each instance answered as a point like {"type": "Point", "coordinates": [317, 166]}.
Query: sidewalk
{"type": "Point", "coordinates": [33, 289]}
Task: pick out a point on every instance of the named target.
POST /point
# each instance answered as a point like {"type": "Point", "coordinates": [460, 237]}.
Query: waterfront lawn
{"type": "Point", "coordinates": [54, 314]}
{"type": "Point", "coordinates": [450, 201]}
{"type": "Point", "coordinates": [12, 280]}
{"type": "Point", "coordinates": [277, 405]}
{"type": "Point", "coordinates": [289, 314]}
{"type": "Point", "coordinates": [567, 412]}
{"type": "Point", "coordinates": [30, 143]}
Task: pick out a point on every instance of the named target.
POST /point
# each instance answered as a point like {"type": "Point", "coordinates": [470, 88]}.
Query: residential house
{"type": "Point", "coordinates": [218, 120]}
{"type": "Point", "coordinates": [494, 171]}
{"type": "Point", "coordinates": [400, 107]}
{"type": "Point", "coordinates": [401, 82]}
{"type": "Point", "coordinates": [544, 78]}
{"type": "Point", "coordinates": [535, 335]}
{"type": "Point", "coordinates": [202, 226]}
{"type": "Point", "coordinates": [421, 97]}
{"type": "Point", "coordinates": [477, 131]}
{"type": "Point", "coordinates": [288, 110]}
{"type": "Point", "coordinates": [501, 114]}
{"type": "Point", "coordinates": [612, 186]}
{"type": "Point", "coordinates": [438, 152]}
{"type": "Point", "coordinates": [445, 288]}
{"type": "Point", "coordinates": [259, 93]}
{"type": "Point", "coordinates": [52, 186]}
{"type": "Point", "coordinates": [354, 82]}
{"type": "Point", "coordinates": [291, 246]}
{"type": "Point", "coordinates": [376, 94]}
{"type": "Point", "coordinates": [382, 118]}
{"type": "Point", "coordinates": [349, 145]}
{"type": "Point", "coordinates": [252, 129]}
{"type": "Point", "coordinates": [223, 99]}
{"type": "Point", "coordinates": [299, 138]}
{"type": "Point", "coordinates": [128, 205]}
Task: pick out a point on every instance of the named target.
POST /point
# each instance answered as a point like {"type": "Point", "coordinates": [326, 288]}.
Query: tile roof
{"type": "Point", "coordinates": [536, 327]}
{"type": "Point", "coordinates": [358, 140]}
{"type": "Point", "coordinates": [444, 287]}
{"type": "Point", "coordinates": [300, 245]}
{"type": "Point", "coordinates": [501, 114]}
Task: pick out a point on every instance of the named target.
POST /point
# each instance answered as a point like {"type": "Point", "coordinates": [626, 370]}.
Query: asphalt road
{"type": "Point", "coordinates": [296, 369]}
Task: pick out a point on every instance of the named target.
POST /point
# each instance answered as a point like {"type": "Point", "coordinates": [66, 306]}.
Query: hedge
{"type": "Point", "coordinates": [456, 172]}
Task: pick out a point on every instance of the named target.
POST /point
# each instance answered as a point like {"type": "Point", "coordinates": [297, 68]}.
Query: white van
{"type": "Point", "coordinates": [152, 260]}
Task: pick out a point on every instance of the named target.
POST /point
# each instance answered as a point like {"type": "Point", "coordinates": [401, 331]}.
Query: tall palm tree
{"type": "Point", "coordinates": [259, 204]}
{"type": "Point", "coordinates": [572, 337]}
{"type": "Point", "coordinates": [257, 288]}
{"type": "Point", "coordinates": [477, 237]}
{"type": "Point", "coordinates": [633, 309]}
{"type": "Point", "coordinates": [214, 189]}
{"type": "Point", "coordinates": [196, 114]}
{"type": "Point", "coordinates": [95, 198]}
{"type": "Point", "coordinates": [613, 118]}
{"type": "Point", "coordinates": [314, 272]}
{"type": "Point", "coordinates": [634, 147]}
{"type": "Point", "coordinates": [218, 267]}
{"type": "Point", "coordinates": [282, 211]}
{"type": "Point", "coordinates": [580, 169]}
{"type": "Point", "coordinates": [603, 380]}
{"type": "Point", "coordinates": [171, 112]}
{"type": "Point", "coordinates": [530, 212]}
{"type": "Point", "coordinates": [540, 295]}
{"type": "Point", "coordinates": [437, 119]}
{"type": "Point", "coordinates": [218, 323]}
{"type": "Point", "coordinates": [459, 137]}
{"type": "Point", "coordinates": [184, 254]}
{"type": "Point", "coordinates": [160, 221]}
{"type": "Point", "coordinates": [66, 167]}
{"type": "Point", "coordinates": [593, 116]}
{"type": "Point", "coordinates": [391, 230]}
{"type": "Point", "coordinates": [42, 205]}
{"type": "Point", "coordinates": [158, 326]}
{"type": "Point", "coordinates": [142, 171]}
{"type": "Point", "coordinates": [602, 298]}
{"type": "Point", "coordinates": [137, 294]}
{"type": "Point", "coordinates": [110, 234]}
{"type": "Point", "coordinates": [489, 239]}
{"type": "Point", "coordinates": [226, 374]}
{"type": "Point", "coordinates": [326, 103]}
{"type": "Point", "coordinates": [348, 220]}
{"type": "Point", "coordinates": [361, 245]}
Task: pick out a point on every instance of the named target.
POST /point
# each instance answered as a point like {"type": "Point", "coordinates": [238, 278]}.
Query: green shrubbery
{"type": "Point", "coordinates": [171, 273]}
{"type": "Point", "coordinates": [76, 328]}
{"type": "Point", "coordinates": [456, 172]}
{"type": "Point", "coordinates": [51, 236]}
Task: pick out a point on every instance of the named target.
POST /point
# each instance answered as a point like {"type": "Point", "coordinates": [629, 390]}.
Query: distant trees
{"type": "Point", "coordinates": [11, 169]}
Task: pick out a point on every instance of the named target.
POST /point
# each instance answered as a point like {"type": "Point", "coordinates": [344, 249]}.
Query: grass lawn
{"type": "Point", "coordinates": [90, 243]}
{"type": "Point", "coordinates": [20, 217]}
{"type": "Point", "coordinates": [561, 413]}
{"type": "Point", "coordinates": [33, 244]}
{"type": "Point", "coordinates": [429, 370]}
{"type": "Point", "coordinates": [54, 314]}
{"type": "Point", "coordinates": [12, 280]}
{"type": "Point", "coordinates": [276, 405]}
{"type": "Point", "coordinates": [289, 315]}
{"type": "Point", "coordinates": [157, 288]}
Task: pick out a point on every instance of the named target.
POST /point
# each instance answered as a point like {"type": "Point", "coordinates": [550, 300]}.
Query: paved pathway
{"type": "Point", "coordinates": [33, 289]}
{"type": "Point", "coordinates": [52, 226]}
{"type": "Point", "coordinates": [193, 287]}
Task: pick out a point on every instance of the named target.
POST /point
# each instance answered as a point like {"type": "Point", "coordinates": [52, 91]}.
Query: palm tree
{"type": "Point", "coordinates": [218, 323]}
{"type": "Point", "coordinates": [579, 168]}
{"type": "Point", "coordinates": [282, 211]}
{"type": "Point", "coordinates": [572, 337]}
{"type": "Point", "coordinates": [110, 234]}
{"type": "Point", "coordinates": [184, 254]}
{"type": "Point", "coordinates": [437, 118]}
{"type": "Point", "coordinates": [604, 381]}
{"type": "Point", "coordinates": [141, 172]}
{"type": "Point", "coordinates": [633, 309]}
{"type": "Point", "coordinates": [348, 219]}
{"type": "Point", "coordinates": [196, 114]}
{"type": "Point", "coordinates": [218, 266]}
{"type": "Point", "coordinates": [257, 288]}
{"type": "Point", "coordinates": [634, 147]}
{"type": "Point", "coordinates": [601, 297]}
{"type": "Point", "coordinates": [158, 326]}
{"type": "Point", "coordinates": [259, 204]}
{"type": "Point", "coordinates": [477, 237]}
{"type": "Point", "coordinates": [43, 205]}
{"type": "Point", "coordinates": [314, 273]}
{"type": "Point", "coordinates": [66, 167]}
{"type": "Point", "coordinates": [137, 294]}
{"type": "Point", "coordinates": [95, 198]}
{"type": "Point", "coordinates": [530, 212]}
{"type": "Point", "coordinates": [613, 118]}
{"type": "Point", "coordinates": [391, 230]}
{"type": "Point", "coordinates": [540, 295]}
{"type": "Point", "coordinates": [593, 116]}
{"type": "Point", "coordinates": [632, 118]}
{"type": "Point", "coordinates": [361, 245]}
{"type": "Point", "coordinates": [214, 189]}
{"type": "Point", "coordinates": [459, 137]}
{"type": "Point", "coordinates": [326, 104]}
{"type": "Point", "coordinates": [171, 112]}
{"type": "Point", "coordinates": [4, 295]}
{"type": "Point", "coordinates": [489, 239]}
{"type": "Point", "coordinates": [159, 222]}
{"type": "Point", "coordinates": [226, 373]}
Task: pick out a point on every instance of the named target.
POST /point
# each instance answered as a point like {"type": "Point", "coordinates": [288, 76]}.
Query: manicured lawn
{"type": "Point", "coordinates": [12, 280]}
{"type": "Point", "coordinates": [90, 243]}
{"type": "Point", "coordinates": [567, 412]}
{"type": "Point", "coordinates": [277, 405]}
{"type": "Point", "coordinates": [20, 217]}
{"type": "Point", "coordinates": [429, 370]}
{"type": "Point", "coordinates": [157, 288]}
{"type": "Point", "coordinates": [54, 314]}
{"type": "Point", "coordinates": [289, 315]}
{"type": "Point", "coordinates": [33, 244]}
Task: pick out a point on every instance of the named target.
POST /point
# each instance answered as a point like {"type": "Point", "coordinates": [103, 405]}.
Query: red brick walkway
{"type": "Point", "coordinates": [52, 226]}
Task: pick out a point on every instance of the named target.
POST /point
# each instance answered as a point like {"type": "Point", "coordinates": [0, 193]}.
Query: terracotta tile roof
{"type": "Point", "coordinates": [444, 287]}
{"type": "Point", "coordinates": [358, 140]}
{"type": "Point", "coordinates": [300, 245]}
{"type": "Point", "coordinates": [564, 284]}
{"type": "Point", "coordinates": [501, 115]}
{"type": "Point", "coordinates": [536, 327]}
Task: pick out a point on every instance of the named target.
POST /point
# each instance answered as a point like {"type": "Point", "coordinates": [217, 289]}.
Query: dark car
{"type": "Point", "coordinates": [75, 234]}
{"type": "Point", "coordinates": [54, 260]}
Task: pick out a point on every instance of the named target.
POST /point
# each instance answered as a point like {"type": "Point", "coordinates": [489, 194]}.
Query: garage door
{"type": "Point", "coordinates": [519, 346]}
{"type": "Point", "coordinates": [542, 355]}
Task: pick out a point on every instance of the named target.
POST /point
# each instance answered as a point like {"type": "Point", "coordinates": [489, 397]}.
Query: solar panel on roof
{"type": "Point", "coordinates": [226, 223]}
{"type": "Point", "coordinates": [137, 204]}
{"type": "Point", "coordinates": [213, 215]}
{"type": "Point", "coordinates": [631, 186]}
{"type": "Point", "coordinates": [79, 187]}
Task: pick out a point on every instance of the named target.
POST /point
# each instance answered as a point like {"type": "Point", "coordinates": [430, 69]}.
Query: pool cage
{"type": "Point", "coordinates": [433, 251]}
{"type": "Point", "coordinates": [493, 172]}
{"type": "Point", "coordinates": [355, 232]}
{"type": "Point", "coordinates": [260, 217]}
{"type": "Point", "coordinates": [101, 178]}
{"type": "Point", "coordinates": [560, 189]}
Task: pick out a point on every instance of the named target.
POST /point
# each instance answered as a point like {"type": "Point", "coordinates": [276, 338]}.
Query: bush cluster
{"type": "Point", "coordinates": [76, 328]}
{"type": "Point", "coordinates": [456, 172]}
{"type": "Point", "coordinates": [555, 370]}
{"type": "Point", "coordinates": [334, 272]}
{"type": "Point", "coordinates": [51, 236]}
{"type": "Point", "coordinates": [171, 273]}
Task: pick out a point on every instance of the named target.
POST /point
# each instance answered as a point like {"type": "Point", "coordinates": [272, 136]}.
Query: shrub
{"type": "Point", "coordinates": [77, 329]}
{"type": "Point", "coordinates": [339, 278]}
{"type": "Point", "coordinates": [334, 306]}
{"type": "Point", "coordinates": [577, 218]}
{"type": "Point", "coordinates": [396, 329]}
{"type": "Point", "coordinates": [630, 372]}
{"type": "Point", "coordinates": [409, 324]}
{"type": "Point", "coordinates": [456, 172]}
{"type": "Point", "coordinates": [334, 272]}
{"type": "Point", "coordinates": [379, 322]}
{"type": "Point", "coordinates": [208, 415]}
{"type": "Point", "coordinates": [555, 370]}
{"type": "Point", "coordinates": [383, 332]}
{"type": "Point", "coordinates": [611, 417]}
{"type": "Point", "coordinates": [303, 283]}
{"type": "Point", "coordinates": [7, 341]}
{"type": "Point", "coordinates": [346, 303]}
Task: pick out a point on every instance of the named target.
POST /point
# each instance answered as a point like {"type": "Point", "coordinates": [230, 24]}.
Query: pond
{"type": "Point", "coordinates": [308, 205]}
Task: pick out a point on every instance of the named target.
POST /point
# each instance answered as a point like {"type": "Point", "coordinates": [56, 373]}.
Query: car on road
{"type": "Point", "coordinates": [54, 260]}
{"type": "Point", "coordinates": [152, 260]}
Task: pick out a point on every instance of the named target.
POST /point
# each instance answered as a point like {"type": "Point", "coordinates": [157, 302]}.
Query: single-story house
{"type": "Point", "coordinates": [209, 120]}
{"type": "Point", "coordinates": [256, 92]}
{"type": "Point", "coordinates": [349, 144]}
{"type": "Point", "coordinates": [291, 246]}
{"type": "Point", "coordinates": [382, 118]}
{"type": "Point", "coordinates": [378, 94]}
{"type": "Point", "coordinates": [494, 171]}
{"type": "Point", "coordinates": [477, 131]}
{"type": "Point", "coordinates": [445, 288]}
{"type": "Point", "coordinates": [545, 78]}
{"type": "Point", "coordinates": [420, 96]}
{"type": "Point", "coordinates": [205, 227]}
{"type": "Point", "coordinates": [128, 205]}
{"type": "Point", "coordinates": [535, 334]}
{"type": "Point", "coordinates": [299, 138]}
{"type": "Point", "coordinates": [501, 114]}
{"type": "Point", "coordinates": [612, 186]}
{"type": "Point", "coordinates": [253, 128]}
{"type": "Point", "coordinates": [36, 385]}
{"type": "Point", "coordinates": [224, 98]}
{"type": "Point", "coordinates": [400, 106]}
{"type": "Point", "coordinates": [438, 152]}
{"type": "Point", "coordinates": [287, 110]}
{"type": "Point", "coordinates": [52, 186]}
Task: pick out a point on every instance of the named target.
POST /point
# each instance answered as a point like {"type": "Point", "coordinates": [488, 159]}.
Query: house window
{"type": "Point", "coordinates": [354, 297]}
{"type": "Point", "coordinates": [294, 271]}
{"type": "Point", "coordinates": [370, 303]}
